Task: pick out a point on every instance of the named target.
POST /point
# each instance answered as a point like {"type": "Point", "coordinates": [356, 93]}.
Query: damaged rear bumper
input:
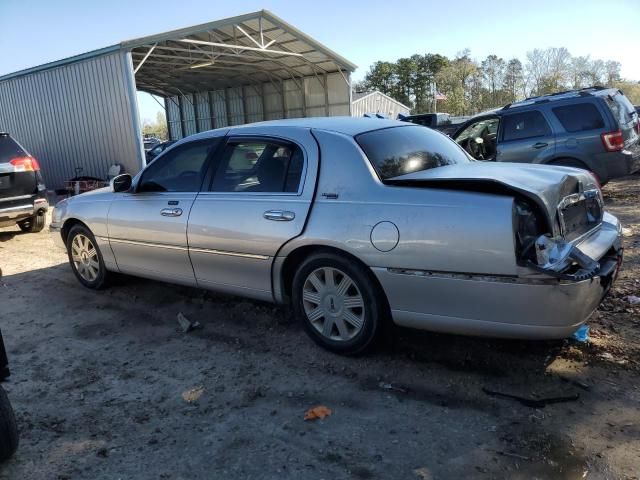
{"type": "Point", "coordinates": [527, 307]}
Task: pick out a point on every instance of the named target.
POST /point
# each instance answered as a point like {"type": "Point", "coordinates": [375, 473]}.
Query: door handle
{"type": "Point", "coordinates": [171, 212]}
{"type": "Point", "coordinates": [279, 215]}
{"type": "Point", "coordinates": [540, 145]}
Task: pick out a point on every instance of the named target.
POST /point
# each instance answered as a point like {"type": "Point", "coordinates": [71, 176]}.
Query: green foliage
{"type": "Point", "coordinates": [156, 129]}
{"type": "Point", "coordinates": [471, 86]}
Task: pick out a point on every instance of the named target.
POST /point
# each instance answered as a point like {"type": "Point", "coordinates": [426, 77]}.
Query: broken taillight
{"type": "Point", "coordinates": [25, 164]}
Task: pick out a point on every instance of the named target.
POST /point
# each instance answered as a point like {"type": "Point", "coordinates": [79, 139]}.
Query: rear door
{"type": "Point", "coordinates": [525, 137]}
{"type": "Point", "coordinates": [19, 173]}
{"type": "Point", "coordinates": [259, 198]}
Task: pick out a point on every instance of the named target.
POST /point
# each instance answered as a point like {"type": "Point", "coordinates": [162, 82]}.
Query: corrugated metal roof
{"type": "Point", "coordinates": [360, 96]}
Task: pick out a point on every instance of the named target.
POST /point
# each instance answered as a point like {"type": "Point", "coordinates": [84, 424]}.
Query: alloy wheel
{"type": "Point", "coordinates": [333, 304]}
{"type": "Point", "coordinates": [85, 257]}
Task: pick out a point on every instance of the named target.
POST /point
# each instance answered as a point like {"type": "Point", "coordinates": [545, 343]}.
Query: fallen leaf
{"type": "Point", "coordinates": [423, 473]}
{"type": "Point", "coordinates": [317, 412]}
{"type": "Point", "coordinates": [192, 395]}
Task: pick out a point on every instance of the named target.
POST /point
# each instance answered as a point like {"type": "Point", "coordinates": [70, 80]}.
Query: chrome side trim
{"type": "Point", "coordinates": [13, 212]}
{"type": "Point", "coordinates": [231, 254]}
{"type": "Point", "coordinates": [147, 244]}
{"type": "Point", "coordinates": [176, 247]}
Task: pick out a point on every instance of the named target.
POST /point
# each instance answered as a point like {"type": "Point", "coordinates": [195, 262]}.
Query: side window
{"type": "Point", "coordinates": [579, 117]}
{"type": "Point", "coordinates": [525, 125]}
{"type": "Point", "coordinates": [180, 170]}
{"type": "Point", "coordinates": [259, 166]}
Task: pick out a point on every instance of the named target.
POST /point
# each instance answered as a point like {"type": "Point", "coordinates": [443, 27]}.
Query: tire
{"type": "Point", "coordinates": [8, 428]}
{"type": "Point", "coordinates": [33, 224]}
{"type": "Point", "coordinates": [85, 258]}
{"type": "Point", "coordinates": [318, 302]}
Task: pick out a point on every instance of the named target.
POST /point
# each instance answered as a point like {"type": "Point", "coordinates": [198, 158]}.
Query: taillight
{"type": "Point", "coordinates": [613, 141]}
{"type": "Point", "coordinates": [25, 164]}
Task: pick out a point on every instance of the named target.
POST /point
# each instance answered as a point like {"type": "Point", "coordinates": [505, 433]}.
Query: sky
{"type": "Point", "coordinates": [33, 32]}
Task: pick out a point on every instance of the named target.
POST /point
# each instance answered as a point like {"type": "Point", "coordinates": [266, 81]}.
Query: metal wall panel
{"type": "Point", "coordinates": [235, 107]}
{"type": "Point", "coordinates": [188, 115]}
{"type": "Point", "coordinates": [378, 103]}
{"type": "Point", "coordinates": [218, 100]}
{"type": "Point", "coordinates": [203, 114]}
{"type": "Point", "coordinates": [303, 97]}
{"type": "Point", "coordinates": [174, 122]}
{"type": "Point", "coordinates": [77, 115]}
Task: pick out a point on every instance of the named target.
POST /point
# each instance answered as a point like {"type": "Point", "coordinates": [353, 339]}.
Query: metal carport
{"type": "Point", "coordinates": [82, 112]}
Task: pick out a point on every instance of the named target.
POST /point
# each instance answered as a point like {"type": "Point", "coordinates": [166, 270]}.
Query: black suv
{"type": "Point", "coordinates": [594, 128]}
{"type": "Point", "coordinates": [22, 191]}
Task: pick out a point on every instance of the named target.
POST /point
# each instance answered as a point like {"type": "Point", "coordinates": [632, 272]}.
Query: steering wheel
{"type": "Point", "coordinates": [475, 145]}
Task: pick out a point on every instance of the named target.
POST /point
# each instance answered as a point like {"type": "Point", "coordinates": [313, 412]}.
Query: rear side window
{"type": "Point", "coordinates": [399, 150]}
{"type": "Point", "coordinates": [525, 125]}
{"type": "Point", "coordinates": [579, 117]}
{"type": "Point", "coordinates": [259, 166]}
{"type": "Point", "coordinates": [10, 149]}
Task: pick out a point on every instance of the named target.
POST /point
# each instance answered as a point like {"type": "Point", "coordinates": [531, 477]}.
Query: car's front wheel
{"type": "Point", "coordinates": [85, 258]}
{"type": "Point", "coordinates": [340, 305]}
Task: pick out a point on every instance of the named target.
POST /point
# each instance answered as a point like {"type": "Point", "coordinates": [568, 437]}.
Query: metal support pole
{"type": "Point", "coordinates": [227, 106]}
{"type": "Point", "coordinates": [326, 96]}
{"type": "Point", "coordinates": [212, 114]}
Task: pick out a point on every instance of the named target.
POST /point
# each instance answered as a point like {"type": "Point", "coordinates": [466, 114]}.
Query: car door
{"type": "Point", "coordinates": [525, 137]}
{"type": "Point", "coordinates": [259, 198]}
{"type": "Point", "coordinates": [478, 137]}
{"type": "Point", "coordinates": [148, 226]}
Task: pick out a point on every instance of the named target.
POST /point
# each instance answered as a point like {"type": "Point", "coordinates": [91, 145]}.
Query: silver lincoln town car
{"type": "Point", "coordinates": [356, 222]}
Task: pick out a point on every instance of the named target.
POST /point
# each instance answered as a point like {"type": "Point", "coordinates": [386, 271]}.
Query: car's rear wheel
{"type": "Point", "coordinates": [33, 224]}
{"type": "Point", "coordinates": [85, 258]}
{"type": "Point", "coordinates": [8, 428]}
{"type": "Point", "coordinates": [339, 303]}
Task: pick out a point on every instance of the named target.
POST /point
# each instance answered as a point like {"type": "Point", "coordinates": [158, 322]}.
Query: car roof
{"type": "Point", "coordinates": [346, 125]}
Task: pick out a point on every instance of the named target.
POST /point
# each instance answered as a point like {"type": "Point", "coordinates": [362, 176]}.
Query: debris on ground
{"type": "Point", "coordinates": [633, 300]}
{"type": "Point", "coordinates": [317, 412]}
{"type": "Point", "coordinates": [610, 358]}
{"type": "Point", "coordinates": [392, 388]}
{"type": "Point", "coordinates": [187, 325]}
{"type": "Point", "coordinates": [532, 402]}
{"type": "Point", "coordinates": [423, 473]}
{"type": "Point", "coordinates": [193, 394]}
{"type": "Point", "coordinates": [582, 334]}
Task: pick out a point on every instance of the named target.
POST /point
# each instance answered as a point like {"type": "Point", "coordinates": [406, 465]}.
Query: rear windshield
{"type": "Point", "coordinates": [579, 117]}
{"type": "Point", "coordinates": [399, 150]}
{"type": "Point", "coordinates": [9, 149]}
{"type": "Point", "coordinates": [623, 110]}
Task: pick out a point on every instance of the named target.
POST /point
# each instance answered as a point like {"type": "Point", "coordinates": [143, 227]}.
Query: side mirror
{"type": "Point", "coordinates": [121, 183]}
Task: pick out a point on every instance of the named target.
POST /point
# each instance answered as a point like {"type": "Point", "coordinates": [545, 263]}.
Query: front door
{"type": "Point", "coordinates": [148, 226]}
{"type": "Point", "coordinates": [525, 137]}
{"type": "Point", "coordinates": [258, 199]}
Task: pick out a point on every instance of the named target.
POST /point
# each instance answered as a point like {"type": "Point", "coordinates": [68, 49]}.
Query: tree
{"type": "Point", "coordinates": [514, 83]}
{"type": "Point", "coordinates": [493, 70]}
{"type": "Point", "coordinates": [381, 77]}
{"type": "Point", "coordinates": [156, 129]}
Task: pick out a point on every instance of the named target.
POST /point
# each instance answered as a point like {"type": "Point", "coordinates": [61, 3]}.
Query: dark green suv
{"type": "Point", "coordinates": [595, 128]}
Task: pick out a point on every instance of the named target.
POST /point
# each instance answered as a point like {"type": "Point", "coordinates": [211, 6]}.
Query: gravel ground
{"type": "Point", "coordinates": [105, 385]}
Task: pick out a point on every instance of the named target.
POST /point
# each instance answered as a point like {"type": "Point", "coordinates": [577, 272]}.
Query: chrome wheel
{"type": "Point", "coordinates": [85, 257]}
{"type": "Point", "coordinates": [333, 304]}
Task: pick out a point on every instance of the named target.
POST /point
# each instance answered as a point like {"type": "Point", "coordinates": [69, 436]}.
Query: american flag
{"type": "Point", "coordinates": [440, 96]}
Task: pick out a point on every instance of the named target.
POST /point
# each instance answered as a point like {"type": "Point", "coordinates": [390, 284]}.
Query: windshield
{"type": "Point", "coordinates": [474, 130]}
{"type": "Point", "coordinates": [399, 150]}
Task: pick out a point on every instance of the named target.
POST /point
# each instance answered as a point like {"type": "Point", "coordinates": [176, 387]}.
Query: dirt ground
{"type": "Point", "coordinates": [104, 385]}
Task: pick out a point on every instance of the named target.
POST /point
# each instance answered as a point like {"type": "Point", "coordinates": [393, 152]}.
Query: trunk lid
{"type": "Point", "coordinates": [549, 187]}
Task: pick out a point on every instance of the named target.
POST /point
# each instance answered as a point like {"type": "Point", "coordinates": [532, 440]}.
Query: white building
{"type": "Point", "coordinates": [376, 102]}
